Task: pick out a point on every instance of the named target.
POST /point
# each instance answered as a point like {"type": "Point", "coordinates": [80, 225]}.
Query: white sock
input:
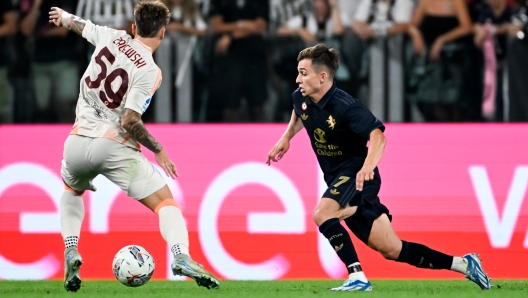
{"type": "Point", "coordinates": [459, 265]}
{"type": "Point", "coordinates": [358, 275]}
{"type": "Point", "coordinates": [71, 217]}
{"type": "Point", "coordinates": [173, 229]}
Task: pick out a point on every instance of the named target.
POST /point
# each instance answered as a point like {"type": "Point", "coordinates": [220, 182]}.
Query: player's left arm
{"type": "Point", "coordinates": [132, 123]}
{"type": "Point", "coordinates": [375, 153]}
{"type": "Point", "coordinates": [365, 124]}
{"type": "Point", "coordinates": [61, 18]}
{"type": "Point", "coordinates": [134, 126]}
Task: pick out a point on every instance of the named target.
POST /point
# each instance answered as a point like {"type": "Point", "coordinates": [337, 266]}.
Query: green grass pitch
{"type": "Point", "coordinates": [242, 289]}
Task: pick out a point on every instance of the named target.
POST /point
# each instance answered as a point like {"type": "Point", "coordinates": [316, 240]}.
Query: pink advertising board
{"type": "Point", "coordinates": [457, 188]}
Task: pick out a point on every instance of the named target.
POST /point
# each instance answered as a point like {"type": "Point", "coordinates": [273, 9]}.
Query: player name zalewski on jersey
{"type": "Point", "coordinates": [121, 74]}
{"type": "Point", "coordinates": [133, 55]}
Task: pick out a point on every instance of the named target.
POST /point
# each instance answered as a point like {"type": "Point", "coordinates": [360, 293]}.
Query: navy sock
{"type": "Point", "coordinates": [422, 256]}
{"type": "Point", "coordinates": [340, 240]}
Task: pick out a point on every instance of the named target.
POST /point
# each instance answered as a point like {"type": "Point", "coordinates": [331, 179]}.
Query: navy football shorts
{"type": "Point", "coordinates": [343, 190]}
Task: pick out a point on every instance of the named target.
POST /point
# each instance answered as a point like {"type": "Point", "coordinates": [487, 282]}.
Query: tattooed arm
{"type": "Point", "coordinates": [132, 123]}
{"type": "Point", "coordinates": [61, 18]}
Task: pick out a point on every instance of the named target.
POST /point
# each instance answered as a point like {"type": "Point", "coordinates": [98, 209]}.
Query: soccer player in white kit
{"type": "Point", "coordinates": [116, 89]}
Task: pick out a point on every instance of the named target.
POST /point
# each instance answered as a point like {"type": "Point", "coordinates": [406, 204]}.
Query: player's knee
{"type": "Point", "coordinates": [320, 216]}
{"type": "Point", "coordinates": [390, 252]}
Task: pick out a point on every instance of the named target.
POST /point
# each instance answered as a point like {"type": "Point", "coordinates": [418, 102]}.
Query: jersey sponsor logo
{"type": "Point", "coordinates": [146, 105]}
{"type": "Point", "coordinates": [331, 122]}
{"type": "Point", "coordinates": [320, 135]}
{"type": "Point", "coordinates": [304, 116]}
{"type": "Point", "coordinates": [304, 106]}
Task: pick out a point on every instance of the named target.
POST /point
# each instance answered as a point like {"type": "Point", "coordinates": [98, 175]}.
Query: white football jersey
{"type": "Point", "coordinates": [121, 74]}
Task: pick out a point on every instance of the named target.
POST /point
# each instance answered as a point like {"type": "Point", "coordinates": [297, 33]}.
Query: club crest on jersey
{"type": "Point", "coordinates": [331, 122]}
{"type": "Point", "coordinates": [304, 106]}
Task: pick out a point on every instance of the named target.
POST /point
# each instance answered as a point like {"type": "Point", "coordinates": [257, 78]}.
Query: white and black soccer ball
{"type": "Point", "coordinates": [133, 266]}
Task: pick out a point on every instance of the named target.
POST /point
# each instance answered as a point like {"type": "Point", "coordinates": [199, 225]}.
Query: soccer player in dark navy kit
{"type": "Point", "coordinates": [339, 127]}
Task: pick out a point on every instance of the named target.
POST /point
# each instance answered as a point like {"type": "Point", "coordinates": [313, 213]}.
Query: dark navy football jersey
{"type": "Point", "coordinates": [339, 128]}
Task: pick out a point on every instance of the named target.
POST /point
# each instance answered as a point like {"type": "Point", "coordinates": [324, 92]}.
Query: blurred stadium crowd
{"type": "Point", "coordinates": [461, 60]}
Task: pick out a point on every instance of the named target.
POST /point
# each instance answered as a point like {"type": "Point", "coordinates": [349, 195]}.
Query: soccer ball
{"type": "Point", "coordinates": [133, 266]}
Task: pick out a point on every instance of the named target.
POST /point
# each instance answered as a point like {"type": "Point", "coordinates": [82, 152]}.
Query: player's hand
{"type": "Point", "coordinates": [222, 45]}
{"type": "Point", "coordinates": [362, 30]}
{"type": "Point", "coordinates": [55, 16]}
{"type": "Point", "coordinates": [436, 49]}
{"type": "Point", "coordinates": [418, 44]}
{"type": "Point", "coordinates": [166, 164]}
{"type": "Point", "coordinates": [246, 25]}
{"type": "Point", "coordinates": [175, 26]}
{"type": "Point", "coordinates": [365, 174]}
{"type": "Point", "coordinates": [479, 36]}
{"type": "Point", "coordinates": [278, 150]}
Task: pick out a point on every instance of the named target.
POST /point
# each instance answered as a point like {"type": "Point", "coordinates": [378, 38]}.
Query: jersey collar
{"type": "Point", "coordinates": [143, 45]}
{"type": "Point", "coordinates": [324, 100]}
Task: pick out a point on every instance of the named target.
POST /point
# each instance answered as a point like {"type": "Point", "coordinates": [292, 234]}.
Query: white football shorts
{"type": "Point", "coordinates": [84, 158]}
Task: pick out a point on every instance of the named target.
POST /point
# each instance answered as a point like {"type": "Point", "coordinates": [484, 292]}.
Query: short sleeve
{"type": "Point", "coordinates": [402, 11]}
{"type": "Point", "coordinates": [296, 95]}
{"type": "Point", "coordinates": [362, 11]}
{"type": "Point", "coordinates": [95, 33]}
{"type": "Point", "coordinates": [362, 121]}
{"type": "Point", "coordinates": [141, 92]}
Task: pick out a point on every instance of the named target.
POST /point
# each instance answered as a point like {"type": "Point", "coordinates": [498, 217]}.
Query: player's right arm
{"type": "Point", "coordinates": [91, 32]}
{"type": "Point", "coordinates": [61, 18]}
{"type": "Point", "coordinates": [132, 123]}
{"type": "Point", "coordinates": [282, 146]}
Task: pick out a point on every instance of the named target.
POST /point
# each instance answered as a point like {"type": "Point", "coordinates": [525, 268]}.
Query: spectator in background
{"type": "Point", "coordinates": [325, 23]}
{"type": "Point", "coordinates": [8, 19]}
{"type": "Point", "coordinates": [186, 18]}
{"type": "Point", "coordinates": [240, 66]}
{"type": "Point", "coordinates": [326, 26]}
{"type": "Point", "coordinates": [289, 28]}
{"type": "Point", "coordinates": [518, 64]}
{"type": "Point", "coordinates": [348, 10]}
{"type": "Point", "coordinates": [494, 21]}
{"type": "Point", "coordinates": [189, 29]}
{"type": "Point", "coordinates": [290, 19]}
{"type": "Point", "coordinates": [373, 18]}
{"type": "Point", "coordinates": [54, 67]}
{"type": "Point", "coordinates": [116, 14]}
{"type": "Point", "coordinates": [436, 77]}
